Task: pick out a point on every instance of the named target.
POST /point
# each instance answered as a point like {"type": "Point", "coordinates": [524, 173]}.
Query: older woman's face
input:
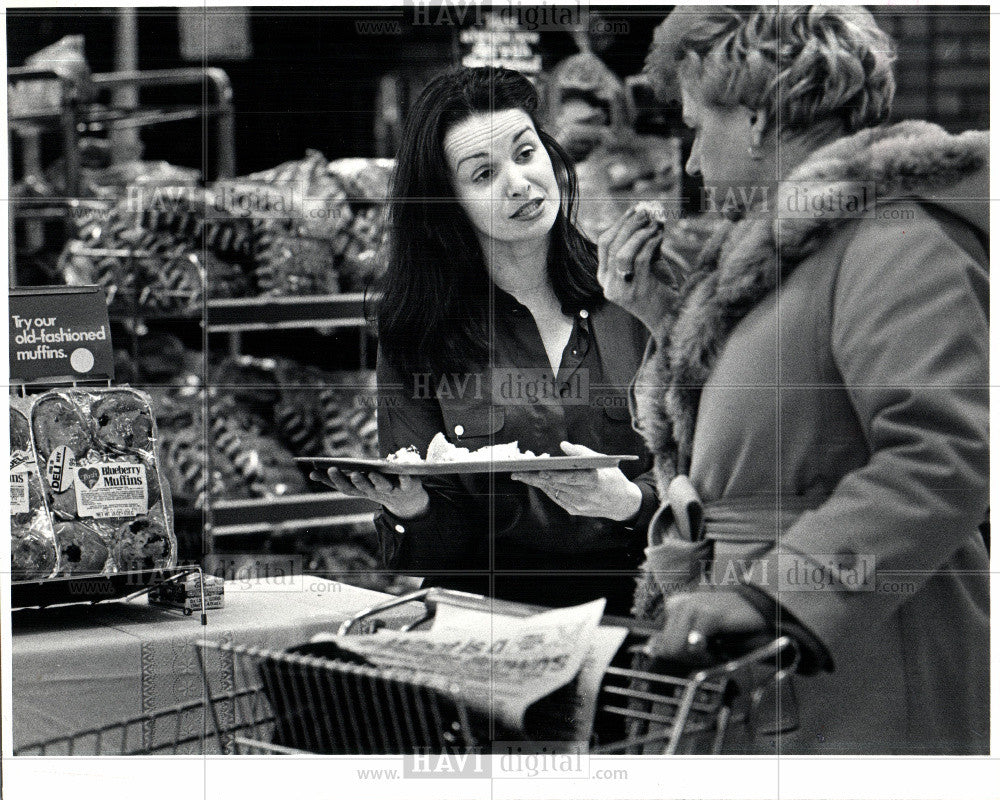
{"type": "Point", "coordinates": [720, 153]}
{"type": "Point", "coordinates": [503, 175]}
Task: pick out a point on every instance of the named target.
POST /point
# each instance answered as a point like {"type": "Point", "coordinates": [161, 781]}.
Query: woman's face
{"type": "Point", "coordinates": [503, 175]}
{"type": "Point", "coordinates": [720, 153]}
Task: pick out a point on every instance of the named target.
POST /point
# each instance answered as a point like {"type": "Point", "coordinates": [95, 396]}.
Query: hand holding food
{"type": "Point", "coordinates": [625, 255]}
{"type": "Point", "coordinates": [604, 492]}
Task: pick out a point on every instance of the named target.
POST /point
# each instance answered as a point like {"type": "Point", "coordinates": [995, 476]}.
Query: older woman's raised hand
{"type": "Point", "coordinates": [625, 253]}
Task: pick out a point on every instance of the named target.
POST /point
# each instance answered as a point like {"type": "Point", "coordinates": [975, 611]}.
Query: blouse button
{"type": "Point", "coordinates": [459, 430]}
{"type": "Point", "coordinates": [400, 529]}
{"type": "Point", "coordinates": [584, 313]}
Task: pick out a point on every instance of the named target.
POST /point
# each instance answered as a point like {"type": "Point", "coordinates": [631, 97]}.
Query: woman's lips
{"type": "Point", "coordinates": [529, 211]}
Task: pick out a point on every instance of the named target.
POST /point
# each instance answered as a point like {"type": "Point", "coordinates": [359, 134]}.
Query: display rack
{"type": "Point", "coordinates": [320, 312]}
{"type": "Point", "coordinates": [286, 313]}
{"type": "Point", "coordinates": [314, 513]}
{"type": "Point", "coordinates": [226, 520]}
{"type": "Point", "coordinates": [72, 117]}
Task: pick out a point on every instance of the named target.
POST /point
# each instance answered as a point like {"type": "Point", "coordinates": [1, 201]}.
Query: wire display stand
{"type": "Point", "coordinates": [265, 702]}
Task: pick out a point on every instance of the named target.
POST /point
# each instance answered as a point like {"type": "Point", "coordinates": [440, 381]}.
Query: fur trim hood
{"type": "Point", "coordinates": [739, 264]}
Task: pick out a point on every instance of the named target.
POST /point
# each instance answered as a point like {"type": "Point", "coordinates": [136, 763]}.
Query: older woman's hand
{"type": "Point", "coordinates": [692, 617]}
{"type": "Point", "coordinates": [406, 499]}
{"type": "Point", "coordinates": [603, 493]}
{"type": "Point", "coordinates": [625, 252]}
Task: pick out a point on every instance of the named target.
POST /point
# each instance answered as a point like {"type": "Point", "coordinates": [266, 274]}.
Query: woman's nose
{"type": "Point", "coordinates": [518, 185]}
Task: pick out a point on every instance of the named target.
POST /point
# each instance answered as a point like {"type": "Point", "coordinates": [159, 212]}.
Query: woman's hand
{"type": "Point", "coordinates": [588, 492]}
{"type": "Point", "coordinates": [625, 252]}
{"type": "Point", "coordinates": [692, 617]}
{"type": "Point", "coordinates": [406, 500]}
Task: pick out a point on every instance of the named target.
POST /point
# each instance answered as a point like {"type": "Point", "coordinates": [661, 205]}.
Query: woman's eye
{"type": "Point", "coordinates": [483, 176]}
{"type": "Point", "coordinates": [525, 154]}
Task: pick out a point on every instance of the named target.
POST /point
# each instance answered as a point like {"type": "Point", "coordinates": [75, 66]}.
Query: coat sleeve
{"type": "Point", "coordinates": [910, 336]}
{"type": "Point", "coordinates": [443, 537]}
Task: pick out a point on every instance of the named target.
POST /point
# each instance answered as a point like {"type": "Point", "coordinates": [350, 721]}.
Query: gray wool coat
{"type": "Point", "coordinates": [824, 385]}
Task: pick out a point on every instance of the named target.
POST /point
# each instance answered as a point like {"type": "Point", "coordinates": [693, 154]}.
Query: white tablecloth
{"type": "Point", "coordinates": [82, 666]}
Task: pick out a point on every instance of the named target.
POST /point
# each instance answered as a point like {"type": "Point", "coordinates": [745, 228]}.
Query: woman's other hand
{"type": "Point", "coordinates": [625, 252]}
{"type": "Point", "coordinates": [406, 500]}
{"type": "Point", "coordinates": [605, 493]}
{"type": "Point", "coordinates": [693, 617]}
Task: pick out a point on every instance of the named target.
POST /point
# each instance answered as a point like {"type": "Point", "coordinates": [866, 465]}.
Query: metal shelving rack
{"type": "Point", "coordinates": [73, 118]}
{"type": "Point", "coordinates": [286, 313]}
{"type": "Point", "coordinates": [301, 513]}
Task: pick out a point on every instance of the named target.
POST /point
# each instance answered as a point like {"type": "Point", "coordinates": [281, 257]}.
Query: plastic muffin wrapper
{"type": "Point", "coordinates": [97, 449]}
{"type": "Point", "coordinates": [34, 554]}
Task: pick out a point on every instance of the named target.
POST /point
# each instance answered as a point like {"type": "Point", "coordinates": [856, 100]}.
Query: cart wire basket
{"type": "Point", "coordinates": [317, 699]}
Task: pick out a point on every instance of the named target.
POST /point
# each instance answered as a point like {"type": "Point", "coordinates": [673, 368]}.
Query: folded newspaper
{"type": "Point", "coordinates": [537, 675]}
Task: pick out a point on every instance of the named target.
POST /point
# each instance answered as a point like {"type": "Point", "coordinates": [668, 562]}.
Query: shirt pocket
{"type": "Point", "coordinates": [617, 413]}
{"type": "Point", "coordinates": [471, 422]}
{"type": "Point", "coordinates": [614, 425]}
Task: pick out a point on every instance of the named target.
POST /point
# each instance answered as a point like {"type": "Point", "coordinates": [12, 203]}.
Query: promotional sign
{"type": "Point", "coordinates": [501, 43]}
{"type": "Point", "coordinates": [59, 333]}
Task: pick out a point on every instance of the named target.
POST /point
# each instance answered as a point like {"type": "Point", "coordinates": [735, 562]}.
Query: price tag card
{"type": "Point", "coordinates": [111, 489]}
{"type": "Point", "coordinates": [19, 488]}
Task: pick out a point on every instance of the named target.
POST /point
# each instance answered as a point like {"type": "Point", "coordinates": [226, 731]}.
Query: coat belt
{"type": "Point", "coordinates": [761, 518]}
{"type": "Point", "coordinates": [683, 531]}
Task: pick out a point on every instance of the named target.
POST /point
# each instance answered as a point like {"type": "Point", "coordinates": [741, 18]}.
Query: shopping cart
{"type": "Point", "coordinates": [319, 699]}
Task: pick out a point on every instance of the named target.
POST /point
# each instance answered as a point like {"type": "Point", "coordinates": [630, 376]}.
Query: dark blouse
{"type": "Point", "coordinates": [486, 533]}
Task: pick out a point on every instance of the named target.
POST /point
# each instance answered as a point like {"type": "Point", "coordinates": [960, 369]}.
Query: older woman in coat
{"type": "Point", "coordinates": [816, 389]}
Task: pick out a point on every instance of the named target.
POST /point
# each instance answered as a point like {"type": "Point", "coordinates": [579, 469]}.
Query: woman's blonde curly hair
{"type": "Point", "coordinates": [805, 66]}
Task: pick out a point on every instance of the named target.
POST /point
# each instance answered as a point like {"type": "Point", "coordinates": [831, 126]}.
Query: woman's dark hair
{"type": "Point", "coordinates": [433, 303]}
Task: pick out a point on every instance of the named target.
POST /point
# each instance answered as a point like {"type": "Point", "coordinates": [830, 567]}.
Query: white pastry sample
{"type": "Point", "coordinates": [440, 451]}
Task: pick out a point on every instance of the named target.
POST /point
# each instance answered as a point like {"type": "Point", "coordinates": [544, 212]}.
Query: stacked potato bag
{"type": "Point", "coordinates": [159, 252]}
{"type": "Point", "coordinates": [331, 414]}
{"type": "Point", "coordinates": [262, 412]}
{"type": "Point", "coordinates": [265, 468]}
{"type": "Point", "coordinates": [302, 228]}
{"type": "Point", "coordinates": [323, 225]}
{"type": "Point", "coordinates": [33, 551]}
{"type": "Point", "coordinates": [102, 483]}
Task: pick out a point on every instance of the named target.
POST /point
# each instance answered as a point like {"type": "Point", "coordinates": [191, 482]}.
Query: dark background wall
{"type": "Point", "coordinates": [313, 77]}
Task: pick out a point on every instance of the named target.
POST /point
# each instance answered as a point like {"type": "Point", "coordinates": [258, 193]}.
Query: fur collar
{"type": "Point", "coordinates": [739, 265]}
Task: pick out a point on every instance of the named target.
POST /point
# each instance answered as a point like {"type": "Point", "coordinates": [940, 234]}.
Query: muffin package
{"type": "Point", "coordinates": [33, 552]}
{"type": "Point", "coordinates": [97, 452]}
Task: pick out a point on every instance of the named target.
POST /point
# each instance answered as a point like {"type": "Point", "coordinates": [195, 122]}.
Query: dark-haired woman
{"type": "Point", "coordinates": [493, 329]}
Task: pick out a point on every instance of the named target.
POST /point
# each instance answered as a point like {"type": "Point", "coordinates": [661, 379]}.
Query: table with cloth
{"type": "Point", "coordinates": [78, 667]}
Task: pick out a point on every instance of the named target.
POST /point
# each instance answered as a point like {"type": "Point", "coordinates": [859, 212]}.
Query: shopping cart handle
{"type": "Point", "coordinates": [728, 652]}
{"type": "Point", "coordinates": [476, 602]}
{"type": "Point", "coordinates": [733, 646]}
